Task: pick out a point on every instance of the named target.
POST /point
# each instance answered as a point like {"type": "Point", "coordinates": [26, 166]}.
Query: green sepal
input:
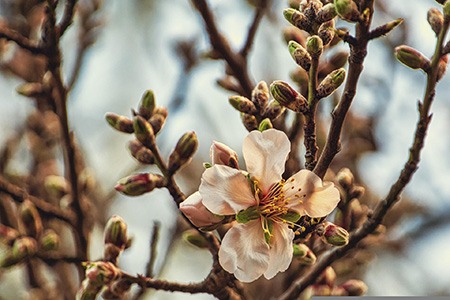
{"type": "Point", "coordinates": [291, 216]}
{"type": "Point", "coordinates": [207, 165]}
{"type": "Point", "coordinates": [268, 230]}
{"type": "Point", "coordinates": [246, 215]}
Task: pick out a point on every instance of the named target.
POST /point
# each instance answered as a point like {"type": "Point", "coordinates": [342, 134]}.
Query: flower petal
{"type": "Point", "coordinates": [197, 213]}
{"type": "Point", "coordinates": [223, 155]}
{"type": "Point", "coordinates": [265, 154]}
{"type": "Point", "coordinates": [225, 191]}
{"type": "Point", "coordinates": [244, 251]}
{"type": "Point", "coordinates": [307, 194]}
{"type": "Point", "coordinates": [281, 250]}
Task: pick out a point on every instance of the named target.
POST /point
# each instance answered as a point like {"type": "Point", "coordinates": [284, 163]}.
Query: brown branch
{"type": "Point", "coordinates": [20, 40]}
{"type": "Point", "coordinates": [67, 17]}
{"type": "Point", "coordinates": [259, 13]}
{"type": "Point", "coordinates": [235, 61]}
{"type": "Point", "coordinates": [54, 259]}
{"type": "Point", "coordinates": [19, 195]}
{"type": "Point", "coordinates": [396, 189]}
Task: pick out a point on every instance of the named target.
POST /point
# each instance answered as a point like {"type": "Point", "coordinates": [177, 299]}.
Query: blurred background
{"type": "Point", "coordinates": [138, 46]}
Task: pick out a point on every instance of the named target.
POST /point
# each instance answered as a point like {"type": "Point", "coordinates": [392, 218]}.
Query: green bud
{"type": "Point", "coordinates": [49, 240]}
{"type": "Point", "coordinates": [265, 124]}
{"type": "Point", "coordinates": [116, 232]}
{"type": "Point", "coordinates": [287, 96]}
{"type": "Point", "coordinates": [332, 234]}
{"type": "Point", "coordinates": [297, 18]}
{"type": "Point", "coordinates": [291, 216]}
{"type": "Point", "coordinates": [347, 10]}
{"type": "Point", "coordinates": [143, 131]}
{"type": "Point", "coordinates": [147, 105]}
{"type": "Point", "coordinates": [446, 9]}
{"type": "Point", "coordinates": [30, 218]}
{"type": "Point", "coordinates": [435, 19]}
{"type": "Point", "coordinates": [300, 55]}
{"type": "Point", "coordinates": [326, 32]}
{"type": "Point", "coordinates": [101, 272]}
{"type": "Point", "coordinates": [138, 184]}
{"type": "Point", "coordinates": [304, 255]}
{"type": "Point", "coordinates": [314, 46]}
{"type": "Point", "coordinates": [193, 237]}
{"type": "Point", "coordinates": [260, 95]}
{"type": "Point", "coordinates": [242, 104]}
{"type": "Point", "coordinates": [247, 215]}
{"type": "Point", "coordinates": [140, 153]}
{"type": "Point", "coordinates": [23, 247]}
{"type": "Point", "coordinates": [412, 58]}
{"type": "Point", "coordinates": [119, 123]}
{"type": "Point", "coordinates": [183, 152]}
{"type": "Point", "coordinates": [273, 110]}
{"type": "Point", "coordinates": [354, 287]}
{"type": "Point", "coordinates": [330, 83]}
{"type": "Point", "coordinates": [249, 121]}
{"type": "Point", "coordinates": [326, 13]}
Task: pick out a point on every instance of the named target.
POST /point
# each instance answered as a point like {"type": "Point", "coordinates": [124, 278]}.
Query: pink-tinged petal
{"type": "Point", "coordinates": [308, 195]}
{"type": "Point", "coordinates": [225, 191]}
{"type": "Point", "coordinates": [197, 213]}
{"type": "Point", "coordinates": [244, 251]}
{"type": "Point", "coordinates": [223, 155]}
{"type": "Point", "coordinates": [281, 250]}
{"type": "Point", "coordinates": [265, 155]}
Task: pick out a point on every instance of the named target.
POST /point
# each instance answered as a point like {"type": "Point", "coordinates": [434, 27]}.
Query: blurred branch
{"type": "Point", "coordinates": [67, 17]}
{"type": "Point", "coordinates": [20, 40]}
{"type": "Point", "coordinates": [259, 13]}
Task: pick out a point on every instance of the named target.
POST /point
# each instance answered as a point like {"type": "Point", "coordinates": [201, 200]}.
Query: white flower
{"type": "Point", "coordinates": [265, 205]}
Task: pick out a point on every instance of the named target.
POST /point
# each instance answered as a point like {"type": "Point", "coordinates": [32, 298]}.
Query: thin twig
{"type": "Point", "coordinates": [20, 40]}
{"type": "Point", "coordinates": [67, 17]}
{"type": "Point", "coordinates": [150, 269]}
{"type": "Point", "coordinates": [259, 13]}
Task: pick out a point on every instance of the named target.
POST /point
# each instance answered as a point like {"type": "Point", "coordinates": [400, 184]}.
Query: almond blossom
{"type": "Point", "coordinates": [265, 205]}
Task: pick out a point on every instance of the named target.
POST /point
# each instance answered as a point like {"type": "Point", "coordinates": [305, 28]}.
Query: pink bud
{"type": "Point", "coordinates": [221, 154]}
{"type": "Point", "coordinates": [197, 213]}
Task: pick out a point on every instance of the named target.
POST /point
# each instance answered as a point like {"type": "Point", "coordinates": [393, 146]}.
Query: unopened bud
{"type": "Point", "coordinates": [314, 46]}
{"type": "Point", "coordinates": [265, 124]}
{"type": "Point", "coordinates": [442, 67]}
{"type": "Point", "coordinates": [119, 123]}
{"type": "Point", "coordinates": [357, 192]}
{"type": "Point", "coordinates": [328, 277]}
{"type": "Point", "coordinates": [7, 233]}
{"type": "Point", "coordinates": [56, 186]}
{"type": "Point", "coordinates": [354, 287]}
{"type": "Point", "coordinates": [30, 218]}
{"type": "Point", "coordinates": [347, 10]}
{"type": "Point", "coordinates": [242, 104]}
{"type": "Point", "coordinates": [197, 213]}
{"type": "Point", "coordinates": [304, 255]}
{"type": "Point", "coordinates": [31, 89]}
{"type": "Point", "coordinates": [412, 58]}
{"type": "Point", "coordinates": [101, 272]}
{"type": "Point", "coordinates": [326, 32]}
{"type": "Point", "coordinates": [158, 119]}
{"type": "Point", "coordinates": [116, 232]}
{"type": "Point", "coordinates": [249, 121]}
{"type": "Point", "coordinates": [49, 240]}
{"type": "Point", "coordinates": [221, 154]}
{"type": "Point", "coordinates": [260, 94]}
{"type": "Point", "coordinates": [140, 153]}
{"type": "Point", "coordinates": [385, 28]}
{"type": "Point", "coordinates": [332, 234]}
{"type": "Point", "coordinates": [300, 55]}
{"type": "Point", "coordinates": [345, 178]}
{"type": "Point", "coordinates": [138, 184]}
{"type": "Point", "coordinates": [310, 8]}
{"type": "Point", "coordinates": [330, 83]}
{"type": "Point", "coordinates": [287, 96]}
{"type": "Point", "coordinates": [273, 110]}
{"type": "Point", "coordinates": [326, 13]}
{"type": "Point", "coordinates": [23, 247]}
{"type": "Point", "coordinates": [147, 105]}
{"type": "Point", "coordinates": [339, 59]}
{"type": "Point", "coordinates": [143, 131]}
{"type": "Point", "coordinates": [296, 18]}
{"type": "Point", "coordinates": [446, 9]}
{"type": "Point", "coordinates": [193, 237]}
{"type": "Point", "coordinates": [436, 19]}
{"type": "Point", "coordinates": [183, 152]}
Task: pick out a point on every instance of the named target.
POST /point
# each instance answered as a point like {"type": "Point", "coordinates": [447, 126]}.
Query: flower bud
{"type": "Point", "coordinates": [357, 192]}
{"type": "Point", "coordinates": [7, 234]}
{"type": "Point", "coordinates": [354, 287]}
{"type": "Point", "coordinates": [49, 240]}
{"type": "Point", "coordinates": [328, 277]}
{"type": "Point", "coordinates": [314, 46]}
{"type": "Point", "coordinates": [23, 247]}
{"type": "Point", "coordinates": [140, 153]}
{"type": "Point", "coordinates": [101, 272]}
{"type": "Point", "coordinates": [138, 184]}
{"type": "Point", "coordinates": [116, 232]}
{"type": "Point", "coordinates": [260, 95]}
{"type": "Point", "coordinates": [296, 18]}
{"type": "Point", "coordinates": [326, 32]}
{"type": "Point", "coordinates": [412, 58]}
{"type": "Point", "coordinates": [30, 218]}
{"type": "Point", "coordinates": [304, 255]}
{"type": "Point", "coordinates": [435, 19]}
{"type": "Point", "coordinates": [193, 237]}
{"type": "Point", "coordinates": [345, 178]}
{"type": "Point", "coordinates": [300, 55]}
{"type": "Point", "coordinates": [332, 234]}
{"type": "Point", "coordinates": [242, 104]}
{"type": "Point", "coordinates": [330, 83]}
{"type": "Point", "coordinates": [143, 131]}
{"type": "Point", "coordinates": [147, 105]}
{"type": "Point", "coordinates": [265, 124]}
{"type": "Point", "coordinates": [119, 123]}
{"type": "Point", "coordinates": [31, 89]}
{"type": "Point", "coordinates": [287, 96]}
{"type": "Point", "coordinates": [347, 10]}
{"type": "Point", "coordinates": [273, 110]}
{"type": "Point", "coordinates": [158, 119]}
{"type": "Point", "coordinates": [183, 152]}
{"type": "Point", "coordinates": [249, 121]}
{"type": "Point", "coordinates": [446, 9]}
{"type": "Point", "coordinates": [56, 186]}
{"type": "Point", "coordinates": [197, 213]}
{"type": "Point", "coordinates": [326, 13]}
{"type": "Point", "coordinates": [221, 154]}
{"type": "Point", "coordinates": [442, 67]}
